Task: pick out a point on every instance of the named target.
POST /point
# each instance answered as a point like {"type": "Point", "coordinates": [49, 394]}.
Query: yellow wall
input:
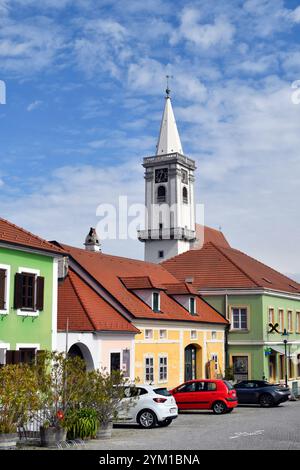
{"type": "Point", "coordinates": [178, 337]}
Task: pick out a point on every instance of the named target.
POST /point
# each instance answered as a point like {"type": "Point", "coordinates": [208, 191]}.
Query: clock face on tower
{"type": "Point", "coordinates": [161, 175]}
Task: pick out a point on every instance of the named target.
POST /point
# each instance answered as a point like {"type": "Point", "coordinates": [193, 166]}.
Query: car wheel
{"type": "Point", "coordinates": [266, 400]}
{"type": "Point", "coordinates": [165, 423]}
{"type": "Point", "coordinates": [219, 408]}
{"type": "Point", "coordinates": [147, 419]}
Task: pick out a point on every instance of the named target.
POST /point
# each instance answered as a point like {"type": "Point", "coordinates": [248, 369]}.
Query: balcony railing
{"type": "Point", "coordinates": [177, 233]}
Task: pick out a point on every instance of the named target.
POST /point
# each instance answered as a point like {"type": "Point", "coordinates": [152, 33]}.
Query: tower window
{"type": "Point", "coordinates": [161, 254]}
{"type": "Point", "coordinates": [185, 195]}
{"type": "Point", "coordinates": [161, 194]}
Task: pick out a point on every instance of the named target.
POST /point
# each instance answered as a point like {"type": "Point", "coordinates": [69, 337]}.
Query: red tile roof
{"type": "Point", "coordinates": [206, 234]}
{"type": "Point", "coordinates": [224, 267]}
{"type": "Point", "coordinates": [86, 309]}
{"type": "Point", "coordinates": [142, 282]}
{"type": "Point", "coordinates": [108, 270]}
{"type": "Point", "coordinates": [17, 236]}
{"type": "Point", "coordinates": [181, 288]}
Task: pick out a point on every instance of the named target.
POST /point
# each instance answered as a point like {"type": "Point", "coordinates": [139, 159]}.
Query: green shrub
{"type": "Point", "coordinates": [81, 423]}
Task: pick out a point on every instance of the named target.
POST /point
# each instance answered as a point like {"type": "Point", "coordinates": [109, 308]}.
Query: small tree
{"type": "Point", "coordinates": [104, 394]}
{"type": "Point", "coordinates": [19, 397]}
{"type": "Point", "coordinates": [62, 383]}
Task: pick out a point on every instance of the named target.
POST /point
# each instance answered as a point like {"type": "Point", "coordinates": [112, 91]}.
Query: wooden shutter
{"type": "Point", "coordinates": [40, 293]}
{"type": "Point", "coordinates": [2, 288]}
{"type": "Point", "coordinates": [18, 302]}
{"type": "Point", "coordinates": [13, 357]}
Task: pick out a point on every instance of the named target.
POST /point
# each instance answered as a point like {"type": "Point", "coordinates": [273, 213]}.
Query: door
{"type": "Point", "coordinates": [185, 396]}
{"type": "Point", "coordinates": [240, 367]}
{"type": "Point", "coordinates": [115, 362]}
{"type": "Point", "coordinates": [190, 363]}
{"type": "Point", "coordinates": [272, 368]}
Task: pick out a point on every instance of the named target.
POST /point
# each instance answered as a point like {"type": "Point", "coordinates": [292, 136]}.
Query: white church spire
{"type": "Point", "coordinates": [169, 140]}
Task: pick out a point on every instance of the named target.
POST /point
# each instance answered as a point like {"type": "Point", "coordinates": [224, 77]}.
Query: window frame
{"type": "Point", "coordinates": [149, 357]}
{"type": "Point", "coordinates": [161, 198]}
{"type": "Point", "coordinates": [297, 321]}
{"type": "Point", "coordinates": [185, 195]}
{"type": "Point", "coordinates": [29, 312]}
{"type": "Point", "coordinates": [290, 317]}
{"type": "Point", "coordinates": [147, 336]}
{"type": "Point", "coordinates": [158, 301]}
{"type": "Point", "coordinates": [196, 334]}
{"type": "Point", "coordinates": [164, 366]}
{"type": "Point", "coordinates": [193, 300]}
{"type": "Point", "coordinates": [240, 330]}
{"type": "Point", "coordinates": [281, 326]}
{"type": "Point", "coordinates": [7, 269]}
{"type": "Point", "coordinates": [166, 333]}
{"type": "Point", "coordinates": [271, 311]}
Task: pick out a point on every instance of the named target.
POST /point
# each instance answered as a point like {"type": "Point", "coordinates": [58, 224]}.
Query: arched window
{"type": "Point", "coordinates": [161, 194]}
{"type": "Point", "coordinates": [185, 195]}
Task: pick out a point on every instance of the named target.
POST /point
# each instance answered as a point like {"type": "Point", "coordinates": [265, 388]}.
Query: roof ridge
{"type": "Point", "coordinates": [27, 232]}
{"type": "Point", "coordinates": [265, 265]}
{"type": "Point", "coordinates": [220, 249]}
{"type": "Point", "coordinates": [79, 298]}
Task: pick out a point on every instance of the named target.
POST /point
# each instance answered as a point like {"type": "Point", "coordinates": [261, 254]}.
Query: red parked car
{"type": "Point", "coordinates": [216, 395]}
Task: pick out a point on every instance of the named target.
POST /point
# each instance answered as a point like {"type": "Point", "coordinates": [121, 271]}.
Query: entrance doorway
{"type": "Point", "coordinates": [190, 362]}
{"type": "Point", "coordinates": [115, 362]}
{"type": "Point", "coordinates": [272, 367]}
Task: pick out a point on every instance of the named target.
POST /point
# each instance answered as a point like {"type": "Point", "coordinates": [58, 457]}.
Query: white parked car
{"type": "Point", "coordinates": [148, 406]}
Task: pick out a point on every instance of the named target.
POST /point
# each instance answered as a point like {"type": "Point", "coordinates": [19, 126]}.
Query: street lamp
{"type": "Point", "coordinates": [285, 341]}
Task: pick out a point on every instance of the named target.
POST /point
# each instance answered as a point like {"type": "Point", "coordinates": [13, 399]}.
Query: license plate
{"type": "Point", "coordinates": [173, 410]}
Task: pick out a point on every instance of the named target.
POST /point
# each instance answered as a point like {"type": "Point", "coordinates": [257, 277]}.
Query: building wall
{"type": "Point", "coordinates": [32, 330]}
{"type": "Point", "coordinates": [173, 346]}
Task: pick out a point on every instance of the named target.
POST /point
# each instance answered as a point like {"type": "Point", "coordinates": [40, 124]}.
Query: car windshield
{"type": "Point", "coordinates": [162, 391]}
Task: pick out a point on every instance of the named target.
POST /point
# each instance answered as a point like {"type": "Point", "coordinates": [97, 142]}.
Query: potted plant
{"type": "Point", "coordinates": [62, 382]}
{"type": "Point", "coordinates": [81, 423]}
{"type": "Point", "coordinates": [18, 400]}
{"type": "Point", "coordinates": [105, 392]}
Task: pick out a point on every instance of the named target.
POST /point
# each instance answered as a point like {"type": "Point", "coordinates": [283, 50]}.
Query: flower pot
{"type": "Point", "coordinates": [105, 430]}
{"type": "Point", "coordinates": [8, 440]}
{"type": "Point", "coordinates": [51, 436]}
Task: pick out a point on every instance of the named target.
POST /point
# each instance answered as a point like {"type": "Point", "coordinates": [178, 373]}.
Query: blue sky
{"type": "Point", "coordinates": [85, 84]}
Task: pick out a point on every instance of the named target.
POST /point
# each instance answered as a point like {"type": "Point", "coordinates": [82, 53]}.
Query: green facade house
{"type": "Point", "coordinates": [251, 296]}
{"type": "Point", "coordinates": [28, 294]}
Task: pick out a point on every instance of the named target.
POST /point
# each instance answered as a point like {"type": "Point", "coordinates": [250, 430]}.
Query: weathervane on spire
{"type": "Point", "coordinates": [168, 91]}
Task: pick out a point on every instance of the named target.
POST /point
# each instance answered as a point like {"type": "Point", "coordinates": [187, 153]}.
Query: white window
{"type": "Point", "coordinates": [148, 334]}
{"type": "Point", "coordinates": [155, 302]}
{"type": "Point", "coordinates": [4, 288]}
{"type": "Point", "coordinates": [239, 318]}
{"type": "Point", "coordinates": [271, 316]}
{"type": "Point", "coordinates": [163, 369]}
{"type": "Point", "coordinates": [192, 308]}
{"type": "Point", "coordinates": [149, 369]}
{"type": "Point", "coordinates": [193, 334]}
{"type": "Point", "coordinates": [290, 320]}
{"type": "Point", "coordinates": [281, 320]}
{"type": "Point", "coordinates": [298, 324]}
{"type": "Point", "coordinates": [162, 334]}
{"type": "Point", "coordinates": [213, 335]}
{"type": "Point", "coordinates": [214, 357]}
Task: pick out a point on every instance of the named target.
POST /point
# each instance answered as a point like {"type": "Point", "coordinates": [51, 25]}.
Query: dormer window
{"type": "Point", "coordinates": [192, 308]}
{"type": "Point", "coordinates": [155, 302]}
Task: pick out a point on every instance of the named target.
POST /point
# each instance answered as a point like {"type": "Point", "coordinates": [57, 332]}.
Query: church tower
{"type": "Point", "coordinates": [170, 201]}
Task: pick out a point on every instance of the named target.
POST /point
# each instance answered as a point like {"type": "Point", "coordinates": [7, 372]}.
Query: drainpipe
{"type": "Point", "coordinates": [226, 333]}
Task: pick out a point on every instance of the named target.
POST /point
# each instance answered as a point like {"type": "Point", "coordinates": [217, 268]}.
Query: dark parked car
{"type": "Point", "coordinates": [261, 392]}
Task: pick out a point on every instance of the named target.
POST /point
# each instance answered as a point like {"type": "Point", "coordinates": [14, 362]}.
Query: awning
{"type": "Point", "coordinates": [279, 349]}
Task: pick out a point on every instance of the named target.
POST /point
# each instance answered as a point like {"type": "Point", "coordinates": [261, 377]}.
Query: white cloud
{"type": "Point", "coordinates": [202, 34]}
{"type": "Point", "coordinates": [295, 15]}
{"type": "Point", "coordinates": [34, 105]}
{"type": "Point", "coordinates": [103, 47]}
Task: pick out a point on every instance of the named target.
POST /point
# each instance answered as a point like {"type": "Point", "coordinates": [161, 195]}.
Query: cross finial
{"type": "Point", "coordinates": [168, 91]}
